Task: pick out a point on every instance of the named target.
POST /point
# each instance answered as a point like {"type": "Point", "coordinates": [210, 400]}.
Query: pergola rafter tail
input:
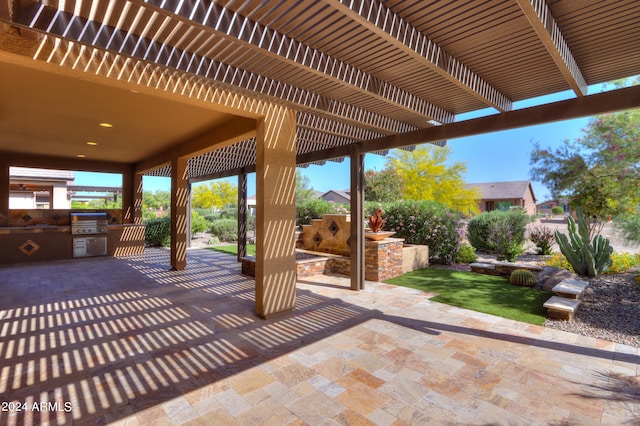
{"type": "Point", "coordinates": [545, 26]}
{"type": "Point", "coordinates": [383, 21]}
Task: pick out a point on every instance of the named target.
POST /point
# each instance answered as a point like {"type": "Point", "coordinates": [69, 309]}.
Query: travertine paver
{"type": "Point", "coordinates": [127, 341]}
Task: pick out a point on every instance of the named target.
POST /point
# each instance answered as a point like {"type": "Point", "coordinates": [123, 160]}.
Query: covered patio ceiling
{"type": "Point", "coordinates": [380, 74]}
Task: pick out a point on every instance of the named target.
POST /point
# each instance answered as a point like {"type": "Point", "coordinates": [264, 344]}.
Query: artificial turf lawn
{"type": "Point", "coordinates": [233, 249]}
{"type": "Point", "coordinates": [479, 292]}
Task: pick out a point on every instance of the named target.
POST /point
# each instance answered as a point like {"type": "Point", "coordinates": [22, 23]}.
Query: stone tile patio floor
{"type": "Point", "coordinates": [126, 341]}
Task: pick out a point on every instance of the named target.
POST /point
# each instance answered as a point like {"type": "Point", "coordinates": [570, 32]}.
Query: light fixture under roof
{"type": "Point", "coordinates": [92, 143]}
{"type": "Point", "coordinates": [81, 156]}
{"type": "Point", "coordinates": [106, 125]}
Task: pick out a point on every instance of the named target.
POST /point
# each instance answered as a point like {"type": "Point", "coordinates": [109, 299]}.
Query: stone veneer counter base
{"type": "Point", "coordinates": [383, 261]}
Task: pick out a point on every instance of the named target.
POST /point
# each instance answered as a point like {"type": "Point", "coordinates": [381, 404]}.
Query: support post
{"type": "Point", "coordinates": [242, 215]}
{"type": "Point", "coordinates": [179, 195]}
{"type": "Point", "coordinates": [4, 192]}
{"type": "Point", "coordinates": [131, 196]}
{"type": "Point", "coordinates": [357, 222]}
{"type": "Point", "coordinates": [276, 210]}
{"type": "Point", "coordinates": [189, 235]}
{"type": "Point", "coordinates": [137, 199]}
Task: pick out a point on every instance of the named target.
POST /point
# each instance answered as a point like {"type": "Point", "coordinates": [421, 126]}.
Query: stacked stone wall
{"type": "Point", "coordinates": [383, 260]}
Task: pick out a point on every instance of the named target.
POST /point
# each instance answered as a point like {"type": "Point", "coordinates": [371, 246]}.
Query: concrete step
{"type": "Point", "coordinates": [561, 308]}
{"type": "Point", "coordinates": [570, 288]}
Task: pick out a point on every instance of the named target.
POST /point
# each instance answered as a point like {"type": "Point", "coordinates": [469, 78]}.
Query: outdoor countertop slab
{"type": "Point", "coordinates": [34, 229]}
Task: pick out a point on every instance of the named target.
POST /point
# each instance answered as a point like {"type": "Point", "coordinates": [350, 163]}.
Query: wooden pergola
{"type": "Point", "coordinates": [197, 90]}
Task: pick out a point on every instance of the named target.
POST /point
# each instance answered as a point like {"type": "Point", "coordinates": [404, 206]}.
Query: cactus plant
{"type": "Point", "coordinates": [523, 278]}
{"type": "Point", "coordinates": [587, 257]}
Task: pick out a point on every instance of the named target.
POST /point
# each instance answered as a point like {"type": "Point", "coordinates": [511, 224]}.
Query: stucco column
{"type": "Point", "coordinates": [137, 198]}
{"type": "Point", "coordinates": [4, 192]}
{"type": "Point", "coordinates": [276, 210]}
{"type": "Point", "coordinates": [132, 196]}
{"type": "Point", "coordinates": [179, 196]}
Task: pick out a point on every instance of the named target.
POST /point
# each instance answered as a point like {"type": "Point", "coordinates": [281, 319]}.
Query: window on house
{"type": "Point", "coordinates": [504, 205]}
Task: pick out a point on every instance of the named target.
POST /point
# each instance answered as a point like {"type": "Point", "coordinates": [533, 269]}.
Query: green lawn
{"type": "Point", "coordinates": [479, 292]}
{"type": "Point", "coordinates": [233, 249]}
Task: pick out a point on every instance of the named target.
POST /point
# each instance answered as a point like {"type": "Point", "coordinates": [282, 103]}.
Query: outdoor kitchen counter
{"type": "Point", "coordinates": [42, 243]}
{"type": "Point", "coordinates": [33, 229]}
{"type": "Point", "coordinates": [125, 240]}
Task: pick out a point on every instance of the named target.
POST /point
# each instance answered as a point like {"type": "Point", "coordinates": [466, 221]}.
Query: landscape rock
{"type": "Point", "coordinates": [550, 276]}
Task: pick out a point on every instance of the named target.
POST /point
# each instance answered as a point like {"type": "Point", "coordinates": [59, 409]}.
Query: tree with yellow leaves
{"type": "Point", "coordinates": [216, 195]}
{"type": "Point", "coordinates": [426, 176]}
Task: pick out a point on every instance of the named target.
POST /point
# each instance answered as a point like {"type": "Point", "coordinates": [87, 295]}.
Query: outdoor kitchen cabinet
{"type": "Point", "coordinates": [45, 235]}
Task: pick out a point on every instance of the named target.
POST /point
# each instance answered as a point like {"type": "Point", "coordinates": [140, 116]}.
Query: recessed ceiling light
{"type": "Point", "coordinates": [107, 125]}
{"type": "Point", "coordinates": [92, 143]}
{"type": "Point", "coordinates": [80, 155]}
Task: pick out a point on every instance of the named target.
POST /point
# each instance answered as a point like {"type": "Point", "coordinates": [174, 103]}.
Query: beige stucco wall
{"type": "Point", "coordinates": [59, 197]}
{"type": "Point", "coordinates": [276, 212]}
{"type": "Point", "coordinates": [530, 204]}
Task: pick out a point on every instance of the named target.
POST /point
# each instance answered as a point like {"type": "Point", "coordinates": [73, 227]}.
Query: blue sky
{"type": "Point", "coordinates": [500, 156]}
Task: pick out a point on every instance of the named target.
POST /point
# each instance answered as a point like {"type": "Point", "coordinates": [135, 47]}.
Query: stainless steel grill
{"type": "Point", "coordinates": [89, 232]}
{"type": "Point", "coordinates": [88, 223]}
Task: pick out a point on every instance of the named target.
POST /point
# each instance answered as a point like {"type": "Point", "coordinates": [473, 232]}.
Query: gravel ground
{"type": "Point", "coordinates": [610, 310]}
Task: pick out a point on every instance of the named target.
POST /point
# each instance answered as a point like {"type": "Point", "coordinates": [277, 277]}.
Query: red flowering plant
{"type": "Point", "coordinates": [376, 222]}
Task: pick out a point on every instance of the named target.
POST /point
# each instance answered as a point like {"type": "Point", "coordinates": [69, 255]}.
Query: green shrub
{"type": "Point", "coordinates": [229, 213]}
{"type": "Point", "coordinates": [543, 238]}
{"type": "Point", "coordinates": [148, 214]}
{"type": "Point", "coordinates": [210, 217]}
{"type": "Point", "coordinates": [628, 225]}
{"type": "Point", "coordinates": [158, 232]}
{"type": "Point", "coordinates": [425, 222]}
{"type": "Point", "coordinates": [466, 254]}
{"type": "Point", "coordinates": [314, 209]}
{"type": "Point", "coordinates": [499, 232]}
{"type": "Point", "coordinates": [557, 210]}
{"type": "Point", "coordinates": [198, 223]}
{"type": "Point", "coordinates": [523, 278]}
{"type": "Point", "coordinates": [225, 229]}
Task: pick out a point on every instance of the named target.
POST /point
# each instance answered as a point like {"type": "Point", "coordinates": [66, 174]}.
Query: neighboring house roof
{"type": "Point", "coordinates": [40, 174]}
{"type": "Point", "coordinates": [337, 195]}
{"type": "Point", "coordinates": [252, 200]}
{"type": "Point", "coordinates": [554, 202]}
{"type": "Point", "coordinates": [503, 190]}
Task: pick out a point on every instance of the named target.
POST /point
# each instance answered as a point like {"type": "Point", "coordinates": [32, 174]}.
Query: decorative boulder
{"type": "Point", "coordinates": [550, 276]}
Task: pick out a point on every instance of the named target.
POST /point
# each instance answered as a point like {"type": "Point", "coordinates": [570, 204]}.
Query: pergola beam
{"type": "Point", "coordinates": [388, 25]}
{"type": "Point", "coordinates": [585, 106]}
{"type": "Point", "coordinates": [539, 15]}
{"type": "Point", "coordinates": [233, 131]}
